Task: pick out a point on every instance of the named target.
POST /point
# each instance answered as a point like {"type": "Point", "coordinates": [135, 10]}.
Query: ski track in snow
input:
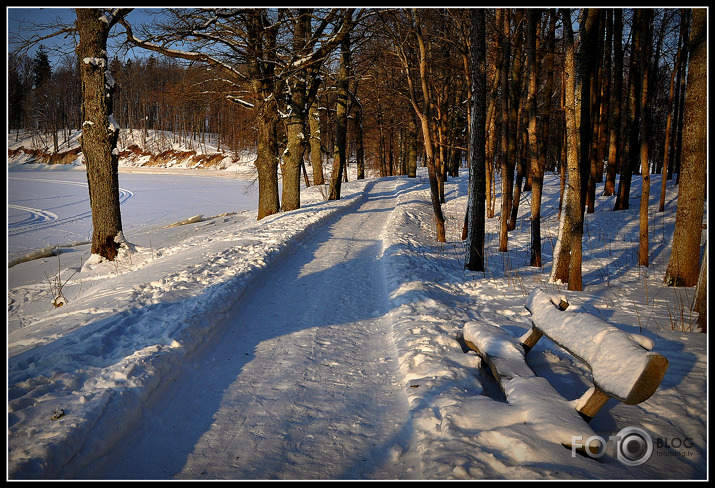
{"type": "Point", "coordinates": [45, 219]}
{"type": "Point", "coordinates": [226, 417]}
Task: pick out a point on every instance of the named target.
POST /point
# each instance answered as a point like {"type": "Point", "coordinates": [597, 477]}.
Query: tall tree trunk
{"type": "Point", "coordinates": [341, 124]}
{"type": "Point", "coordinates": [605, 97]}
{"type": "Point", "coordinates": [477, 158]}
{"type": "Point", "coordinates": [411, 148]}
{"type": "Point", "coordinates": [514, 126]}
{"type": "Point", "coordinates": [672, 123]}
{"type": "Point", "coordinates": [614, 151]}
{"type": "Point", "coordinates": [568, 244]}
{"type": "Point", "coordinates": [316, 144]}
{"type": "Point", "coordinates": [504, 156]}
{"type": "Point", "coordinates": [682, 75]}
{"type": "Point", "coordinates": [262, 42]}
{"type": "Point", "coordinates": [683, 267]}
{"type": "Point", "coordinates": [359, 143]}
{"type": "Point", "coordinates": [632, 117]}
{"type": "Point", "coordinates": [646, 33]}
{"type": "Point", "coordinates": [700, 302]}
{"type": "Point", "coordinates": [99, 129]}
{"type": "Point", "coordinates": [586, 83]}
{"type": "Point", "coordinates": [536, 164]}
{"type": "Point", "coordinates": [297, 118]}
{"type": "Point", "coordinates": [595, 75]}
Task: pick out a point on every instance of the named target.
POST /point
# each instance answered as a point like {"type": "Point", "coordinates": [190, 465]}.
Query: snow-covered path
{"type": "Point", "coordinates": [329, 406]}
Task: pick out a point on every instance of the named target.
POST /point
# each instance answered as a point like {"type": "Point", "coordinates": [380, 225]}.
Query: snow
{"type": "Point", "coordinates": [323, 343]}
{"type": "Point", "coordinates": [616, 358]}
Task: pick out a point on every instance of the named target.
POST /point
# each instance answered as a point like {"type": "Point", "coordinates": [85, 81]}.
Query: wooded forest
{"type": "Point", "coordinates": [598, 95]}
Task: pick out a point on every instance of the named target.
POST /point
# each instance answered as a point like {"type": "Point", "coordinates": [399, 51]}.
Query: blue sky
{"type": "Point", "coordinates": [21, 19]}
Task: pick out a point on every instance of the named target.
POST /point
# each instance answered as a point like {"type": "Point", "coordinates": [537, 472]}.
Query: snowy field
{"type": "Point", "coordinates": [324, 343]}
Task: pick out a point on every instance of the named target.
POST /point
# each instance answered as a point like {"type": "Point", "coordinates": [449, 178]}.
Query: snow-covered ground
{"type": "Point", "coordinates": [323, 343]}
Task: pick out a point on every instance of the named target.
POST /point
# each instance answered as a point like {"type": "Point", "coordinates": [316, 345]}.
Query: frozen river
{"type": "Point", "coordinates": [49, 205]}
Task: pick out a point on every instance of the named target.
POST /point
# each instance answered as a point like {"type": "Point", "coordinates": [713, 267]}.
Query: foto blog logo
{"type": "Point", "coordinates": [633, 446]}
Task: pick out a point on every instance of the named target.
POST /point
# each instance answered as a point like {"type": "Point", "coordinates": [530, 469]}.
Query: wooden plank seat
{"type": "Point", "coordinates": [622, 365]}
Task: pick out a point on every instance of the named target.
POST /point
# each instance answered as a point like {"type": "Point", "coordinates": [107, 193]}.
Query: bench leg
{"type": "Point", "coordinates": [590, 403]}
{"type": "Point", "coordinates": [529, 340]}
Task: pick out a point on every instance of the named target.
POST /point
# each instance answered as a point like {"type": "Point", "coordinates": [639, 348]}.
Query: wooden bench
{"type": "Point", "coordinates": [622, 364]}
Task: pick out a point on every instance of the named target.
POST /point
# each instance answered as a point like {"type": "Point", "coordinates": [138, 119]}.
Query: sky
{"type": "Point", "coordinates": [22, 19]}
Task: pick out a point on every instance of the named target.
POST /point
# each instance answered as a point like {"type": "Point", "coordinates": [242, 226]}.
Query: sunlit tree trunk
{"type": "Point", "coordinates": [684, 264]}
{"type": "Point", "coordinates": [99, 129]}
{"type": "Point", "coordinates": [614, 147]}
{"type": "Point", "coordinates": [504, 156]}
{"type": "Point", "coordinates": [536, 164]}
{"type": "Point", "coordinates": [568, 244]}
{"type": "Point", "coordinates": [341, 125]}
{"type": "Point", "coordinates": [316, 144]}
{"type": "Point", "coordinates": [296, 123]}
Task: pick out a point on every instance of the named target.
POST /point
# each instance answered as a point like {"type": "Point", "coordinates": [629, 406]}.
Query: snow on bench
{"type": "Point", "coordinates": [547, 412]}
{"type": "Point", "coordinates": [622, 366]}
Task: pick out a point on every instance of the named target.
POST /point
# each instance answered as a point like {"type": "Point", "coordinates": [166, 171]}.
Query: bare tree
{"type": "Point", "coordinates": [683, 267]}
{"type": "Point", "coordinates": [672, 122]}
{"type": "Point", "coordinates": [536, 164]}
{"type": "Point", "coordinates": [477, 148]}
{"type": "Point", "coordinates": [341, 127]}
{"type": "Point", "coordinates": [507, 168]}
{"type": "Point", "coordinates": [99, 129]}
{"type": "Point", "coordinates": [645, 33]}
{"type": "Point", "coordinates": [567, 254]}
{"type": "Point", "coordinates": [227, 40]}
{"type": "Point", "coordinates": [421, 106]}
{"type": "Point", "coordinates": [614, 124]}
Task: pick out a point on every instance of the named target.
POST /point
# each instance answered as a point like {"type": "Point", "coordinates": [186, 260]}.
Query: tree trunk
{"type": "Point", "coordinates": [567, 253]}
{"type": "Point", "coordinates": [316, 144]}
{"type": "Point", "coordinates": [297, 123]}
{"type": "Point", "coordinates": [341, 125]}
{"type": "Point", "coordinates": [477, 158]}
{"type": "Point", "coordinates": [683, 267]}
{"type": "Point", "coordinates": [646, 28]}
{"type": "Point", "coordinates": [359, 143]}
{"type": "Point", "coordinates": [614, 151]}
{"type": "Point", "coordinates": [536, 164]}
{"type": "Point", "coordinates": [411, 147]}
{"type": "Point", "coordinates": [700, 302]}
{"type": "Point", "coordinates": [506, 169]}
{"type": "Point", "coordinates": [261, 46]}
{"type": "Point", "coordinates": [99, 131]}
{"type": "Point", "coordinates": [632, 116]}
{"type": "Point", "coordinates": [668, 148]}
{"type": "Point", "coordinates": [514, 191]}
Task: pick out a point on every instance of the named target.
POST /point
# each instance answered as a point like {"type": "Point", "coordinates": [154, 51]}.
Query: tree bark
{"type": "Point", "coordinates": [477, 158]}
{"type": "Point", "coordinates": [316, 144]}
{"type": "Point", "coordinates": [536, 164]}
{"type": "Point", "coordinates": [506, 169]}
{"type": "Point", "coordinates": [683, 267]}
{"type": "Point", "coordinates": [297, 117]}
{"type": "Point", "coordinates": [341, 125]}
{"type": "Point", "coordinates": [646, 28]}
{"type": "Point", "coordinates": [633, 114]}
{"type": "Point", "coordinates": [567, 253]}
{"type": "Point", "coordinates": [614, 150]}
{"type": "Point", "coordinates": [668, 149]}
{"type": "Point", "coordinates": [99, 129]}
